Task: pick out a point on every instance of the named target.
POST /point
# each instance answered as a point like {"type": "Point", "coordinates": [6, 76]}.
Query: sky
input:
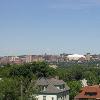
{"type": "Point", "coordinates": [49, 26]}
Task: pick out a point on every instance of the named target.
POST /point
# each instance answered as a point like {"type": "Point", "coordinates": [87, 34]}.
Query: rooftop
{"type": "Point", "coordinates": [89, 92]}
{"type": "Point", "coordinates": [51, 85]}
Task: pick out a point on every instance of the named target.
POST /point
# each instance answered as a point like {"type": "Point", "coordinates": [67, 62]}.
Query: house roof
{"type": "Point", "coordinates": [51, 85]}
{"type": "Point", "coordinates": [44, 81]}
{"type": "Point", "coordinates": [51, 89]}
{"type": "Point", "coordinates": [95, 90]}
{"type": "Point", "coordinates": [55, 81]}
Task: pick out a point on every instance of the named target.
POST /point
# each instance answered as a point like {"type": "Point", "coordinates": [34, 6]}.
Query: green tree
{"type": "Point", "coordinates": [91, 77]}
{"type": "Point", "coordinates": [75, 87]}
{"type": "Point", "coordinates": [9, 89]}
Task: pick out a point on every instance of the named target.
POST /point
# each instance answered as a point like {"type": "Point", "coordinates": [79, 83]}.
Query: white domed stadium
{"type": "Point", "coordinates": [75, 57]}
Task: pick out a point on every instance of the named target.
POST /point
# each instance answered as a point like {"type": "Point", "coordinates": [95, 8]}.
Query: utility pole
{"type": "Point", "coordinates": [21, 90]}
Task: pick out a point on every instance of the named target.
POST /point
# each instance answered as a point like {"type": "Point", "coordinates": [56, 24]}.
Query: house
{"type": "Point", "coordinates": [89, 93]}
{"type": "Point", "coordinates": [52, 89]}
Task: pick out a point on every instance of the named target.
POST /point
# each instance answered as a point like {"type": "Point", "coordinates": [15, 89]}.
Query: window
{"type": "Point", "coordinates": [90, 93]}
{"type": "Point", "coordinates": [52, 98]}
{"type": "Point", "coordinates": [44, 97]}
{"type": "Point", "coordinates": [44, 89]}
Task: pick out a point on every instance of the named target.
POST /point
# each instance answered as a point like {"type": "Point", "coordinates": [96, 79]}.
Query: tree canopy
{"type": "Point", "coordinates": [12, 76]}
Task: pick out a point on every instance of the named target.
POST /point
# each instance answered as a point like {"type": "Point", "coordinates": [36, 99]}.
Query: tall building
{"type": "Point", "coordinates": [29, 58]}
{"type": "Point", "coordinates": [32, 58]}
{"type": "Point", "coordinates": [88, 57]}
{"type": "Point", "coordinates": [4, 60]}
{"type": "Point", "coordinates": [15, 60]}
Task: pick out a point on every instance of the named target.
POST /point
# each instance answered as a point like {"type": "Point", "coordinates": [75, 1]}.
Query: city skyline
{"type": "Point", "coordinates": [49, 26]}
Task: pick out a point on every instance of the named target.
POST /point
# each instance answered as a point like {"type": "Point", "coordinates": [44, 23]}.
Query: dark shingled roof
{"type": "Point", "coordinates": [51, 89]}
{"type": "Point", "coordinates": [55, 81]}
{"type": "Point", "coordinates": [42, 81]}
{"type": "Point", "coordinates": [51, 85]}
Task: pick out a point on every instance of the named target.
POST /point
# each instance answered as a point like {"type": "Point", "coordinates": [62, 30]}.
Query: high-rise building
{"type": "Point", "coordinates": [88, 57]}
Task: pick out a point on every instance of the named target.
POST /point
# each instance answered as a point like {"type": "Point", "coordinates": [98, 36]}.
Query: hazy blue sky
{"type": "Point", "coordinates": [52, 26]}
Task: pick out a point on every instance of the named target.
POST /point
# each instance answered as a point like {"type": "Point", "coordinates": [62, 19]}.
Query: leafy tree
{"type": "Point", "coordinates": [91, 77]}
{"type": "Point", "coordinates": [31, 91]}
{"type": "Point", "coordinates": [9, 89]}
{"type": "Point", "coordinates": [75, 87]}
{"type": "Point", "coordinates": [40, 69]}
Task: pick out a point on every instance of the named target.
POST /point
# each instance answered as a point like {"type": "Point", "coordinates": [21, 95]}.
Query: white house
{"type": "Point", "coordinates": [52, 89]}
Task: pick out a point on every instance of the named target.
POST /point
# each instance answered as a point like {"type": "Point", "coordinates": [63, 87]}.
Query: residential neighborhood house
{"type": "Point", "coordinates": [89, 93]}
{"type": "Point", "coordinates": [52, 89]}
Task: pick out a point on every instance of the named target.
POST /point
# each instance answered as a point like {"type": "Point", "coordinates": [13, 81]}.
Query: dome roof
{"type": "Point", "coordinates": [76, 55]}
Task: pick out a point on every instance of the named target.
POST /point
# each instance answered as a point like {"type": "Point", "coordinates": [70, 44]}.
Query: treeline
{"type": "Point", "coordinates": [18, 81]}
{"type": "Point", "coordinates": [74, 74]}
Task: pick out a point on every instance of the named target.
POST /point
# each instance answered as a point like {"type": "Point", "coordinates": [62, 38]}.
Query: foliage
{"type": "Point", "coordinates": [75, 87]}
{"type": "Point", "coordinates": [12, 75]}
{"type": "Point", "coordinates": [40, 69]}
{"type": "Point", "coordinates": [9, 89]}
{"type": "Point", "coordinates": [72, 73]}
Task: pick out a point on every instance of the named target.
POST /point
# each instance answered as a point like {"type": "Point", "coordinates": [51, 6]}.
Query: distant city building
{"type": "Point", "coordinates": [95, 57]}
{"type": "Point", "coordinates": [23, 58]}
{"type": "Point", "coordinates": [28, 58]}
{"type": "Point", "coordinates": [52, 58]}
{"type": "Point", "coordinates": [88, 57]}
{"type": "Point", "coordinates": [4, 60]}
{"type": "Point", "coordinates": [33, 58]}
{"type": "Point", "coordinates": [15, 60]}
